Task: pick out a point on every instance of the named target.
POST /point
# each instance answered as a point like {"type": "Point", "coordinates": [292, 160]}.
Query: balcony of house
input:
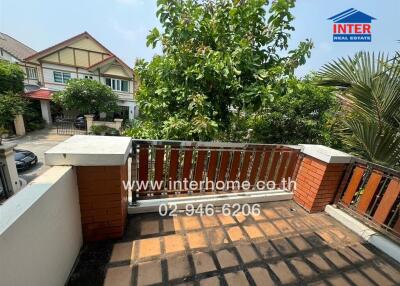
{"type": "Point", "coordinates": [117, 211]}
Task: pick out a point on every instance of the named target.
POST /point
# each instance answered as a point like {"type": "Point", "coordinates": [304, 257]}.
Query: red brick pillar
{"type": "Point", "coordinates": [320, 173]}
{"type": "Point", "coordinates": [103, 201]}
{"type": "Point", "coordinates": [101, 168]}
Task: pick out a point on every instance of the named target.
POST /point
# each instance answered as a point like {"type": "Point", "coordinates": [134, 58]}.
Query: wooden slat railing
{"type": "Point", "coordinates": [171, 161]}
{"type": "Point", "coordinates": [372, 192]}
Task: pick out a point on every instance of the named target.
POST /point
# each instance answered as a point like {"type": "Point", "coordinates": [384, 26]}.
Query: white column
{"type": "Point", "coordinates": [7, 158]}
{"type": "Point", "coordinates": [19, 125]}
{"type": "Point", "coordinates": [118, 123]}
{"type": "Point", "coordinates": [131, 111]}
{"type": "Point", "coordinates": [46, 112]}
{"type": "Point", "coordinates": [89, 121]}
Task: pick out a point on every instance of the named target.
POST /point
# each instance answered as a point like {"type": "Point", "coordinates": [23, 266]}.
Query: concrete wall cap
{"type": "Point", "coordinates": [5, 148]}
{"type": "Point", "coordinates": [326, 154]}
{"type": "Point", "coordinates": [88, 150]}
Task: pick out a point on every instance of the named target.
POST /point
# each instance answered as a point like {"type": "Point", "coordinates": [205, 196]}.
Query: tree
{"type": "Point", "coordinates": [220, 58]}
{"type": "Point", "coordinates": [11, 104]}
{"type": "Point", "coordinates": [87, 96]}
{"type": "Point", "coordinates": [302, 113]}
{"type": "Point", "coordinates": [11, 78]}
{"type": "Point", "coordinates": [369, 87]}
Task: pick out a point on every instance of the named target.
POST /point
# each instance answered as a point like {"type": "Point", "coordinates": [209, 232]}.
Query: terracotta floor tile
{"type": "Point", "coordinates": [253, 231]}
{"type": "Point", "coordinates": [118, 276]}
{"type": "Point", "coordinates": [226, 220]}
{"type": "Point", "coordinates": [217, 237]}
{"type": "Point", "coordinates": [282, 271]}
{"type": "Point", "coordinates": [376, 276]}
{"type": "Point", "coordinates": [266, 249]}
{"type": "Point", "coordinates": [298, 224]}
{"type": "Point", "coordinates": [241, 217]}
{"type": "Point", "coordinates": [191, 222]}
{"type": "Point", "coordinates": [302, 268]}
{"type": "Point", "coordinates": [122, 251]}
{"type": "Point", "coordinates": [388, 269]}
{"type": "Point", "coordinates": [149, 227]}
{"type": "Point", "coordinates": [211, 281]}
{"type": "Point", "coordinates": [209, 221]}
{"type": "Point", "coordinates": [149, 247]}
{"type": "Point", "coordinates": [236, 279]}
{"type": "Point", "coordinates": [270, 213]}
{"type": "Point", "coordinates": [261, 276]}
{"type": "Point", "coordinates": [335, 258]}
{"type": "Point", "coordinates": [226, 258]}
{"type": "Point", "coordinates": [178, 267]}
{"type": "Point", "coordinates": [283, 226]}
{"type": "Point", "coordinates": [174, 243]}
{"type": "Point", "coordinates": [357, 278]}
{"type": "Point", "coordinates": [235, 233]}
{"type": "Point", "coordinates": [319, 262]}
{"type": "Point", "coordinates": [171, 225]}
{"type": "Point", "coordinates": [149, 272]}
{"type": "Point", "coordinates": [196, 239]}
{"type": "Point", "coordinates": [269, 229]}
{"type": "Point", "coordinates": [258, 217]}
{"type": "Point", "coordinates": [338, 280]}
{"type": "Point", "coordinates": [203, 262]}
{"type": "Point", "coordinates": [283, 246]}
{"type": "Point", "coordinates": [284, 212]}
{"type": "Point", "coordinates": [247, 253]}
{"type": "Point", "coordinates": [300, 243]}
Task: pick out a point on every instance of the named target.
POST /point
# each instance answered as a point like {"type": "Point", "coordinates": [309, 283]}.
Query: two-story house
{"type": "Point", "coordinates": [81, 57]}
{"type": "Point", "coordinates": [14, 51]}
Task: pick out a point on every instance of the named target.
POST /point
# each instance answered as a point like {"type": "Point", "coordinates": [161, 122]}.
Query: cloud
{"type": "Point", "coordinates": [131, 2]}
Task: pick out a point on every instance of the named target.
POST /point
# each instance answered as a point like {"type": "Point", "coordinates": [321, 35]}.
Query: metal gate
{"type": "Point", "coordinates": [71, 126]}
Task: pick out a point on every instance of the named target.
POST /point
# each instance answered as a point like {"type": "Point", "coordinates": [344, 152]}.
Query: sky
{"type": "Point", "coordinates": [122, 25]}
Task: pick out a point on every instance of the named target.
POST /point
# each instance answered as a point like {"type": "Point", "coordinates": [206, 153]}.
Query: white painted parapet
{"type": "Point", "coordinates": [85, 150]}
{"type": "Point", "coordinates": [40, 231]}
{"type": "Point", "coordinates": [326, 154]}
{"type": "Point", "coordinates": [7, 158]}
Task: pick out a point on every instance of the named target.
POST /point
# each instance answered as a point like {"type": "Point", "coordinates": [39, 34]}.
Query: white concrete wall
{"type": "Point", "coordinates": [40, 231]}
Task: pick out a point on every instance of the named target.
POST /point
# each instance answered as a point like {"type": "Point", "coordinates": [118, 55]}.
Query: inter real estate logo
{"type": "Point", "coordinates": [352, 26]}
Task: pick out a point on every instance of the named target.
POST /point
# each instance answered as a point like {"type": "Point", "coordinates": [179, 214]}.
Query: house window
{"type": "Point", "coordinates": [31, 73]}
{"type": "Point", "coordinates": [117, 84]}
{"type": "Point", "coordinates": [61, 77]}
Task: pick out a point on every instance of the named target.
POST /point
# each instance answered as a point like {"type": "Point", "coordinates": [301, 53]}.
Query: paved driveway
{"type": "Point", "coordinates": [38, 142]}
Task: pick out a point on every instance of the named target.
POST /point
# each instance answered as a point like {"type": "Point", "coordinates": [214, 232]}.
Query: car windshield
{"type": "Point", "coordinates": [19, 156]}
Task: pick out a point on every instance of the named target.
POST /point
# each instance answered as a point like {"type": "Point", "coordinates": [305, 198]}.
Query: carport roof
{"type": "Point", "coordinates": [40, 94]}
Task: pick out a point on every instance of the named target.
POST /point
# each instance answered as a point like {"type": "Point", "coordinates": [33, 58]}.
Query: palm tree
{"type": "Point", "coordinates": [368, 85]}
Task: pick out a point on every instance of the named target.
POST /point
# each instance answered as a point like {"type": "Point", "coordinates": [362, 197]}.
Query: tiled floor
{"type": "Point", "coordinates": [282, 246]}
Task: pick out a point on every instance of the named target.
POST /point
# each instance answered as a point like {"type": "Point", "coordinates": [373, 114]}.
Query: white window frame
{"type": "Point", "coordinates": [116, 84]}
{"type": "Point", "coordinates": [63, 80]}
{"type": "Point", "coordinates": [31, 71]}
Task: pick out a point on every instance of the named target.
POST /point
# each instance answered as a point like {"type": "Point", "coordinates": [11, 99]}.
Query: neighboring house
{"type": "Point", "coordinates": [14, 51]}
{"type": "Point", "coordinates": [81, 57]}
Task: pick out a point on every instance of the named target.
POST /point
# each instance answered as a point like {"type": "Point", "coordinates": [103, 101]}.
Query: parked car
{"type": "Point", "coordinates": [80, 122]}
{"type": "Point", "coordinates": [24, 159]}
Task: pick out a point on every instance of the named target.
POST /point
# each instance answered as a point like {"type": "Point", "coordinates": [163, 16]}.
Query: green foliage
{"type": "Point", "coordinates": [87, 96]}
{"type": "Point", "coordinates": [33, 116]}
{"type": "Point", "coordinates": [219, 58]}
{"type": "Point", "coordinates": [104, 130]}
{"type": "Point", "coordinates": [369, 87]}
{"type": "Point", "coordinates": [11, 104]}
{"type": "Point", "coordinates": [11, 77]}
{"type": "Point", "coordinates": [303, 113]}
